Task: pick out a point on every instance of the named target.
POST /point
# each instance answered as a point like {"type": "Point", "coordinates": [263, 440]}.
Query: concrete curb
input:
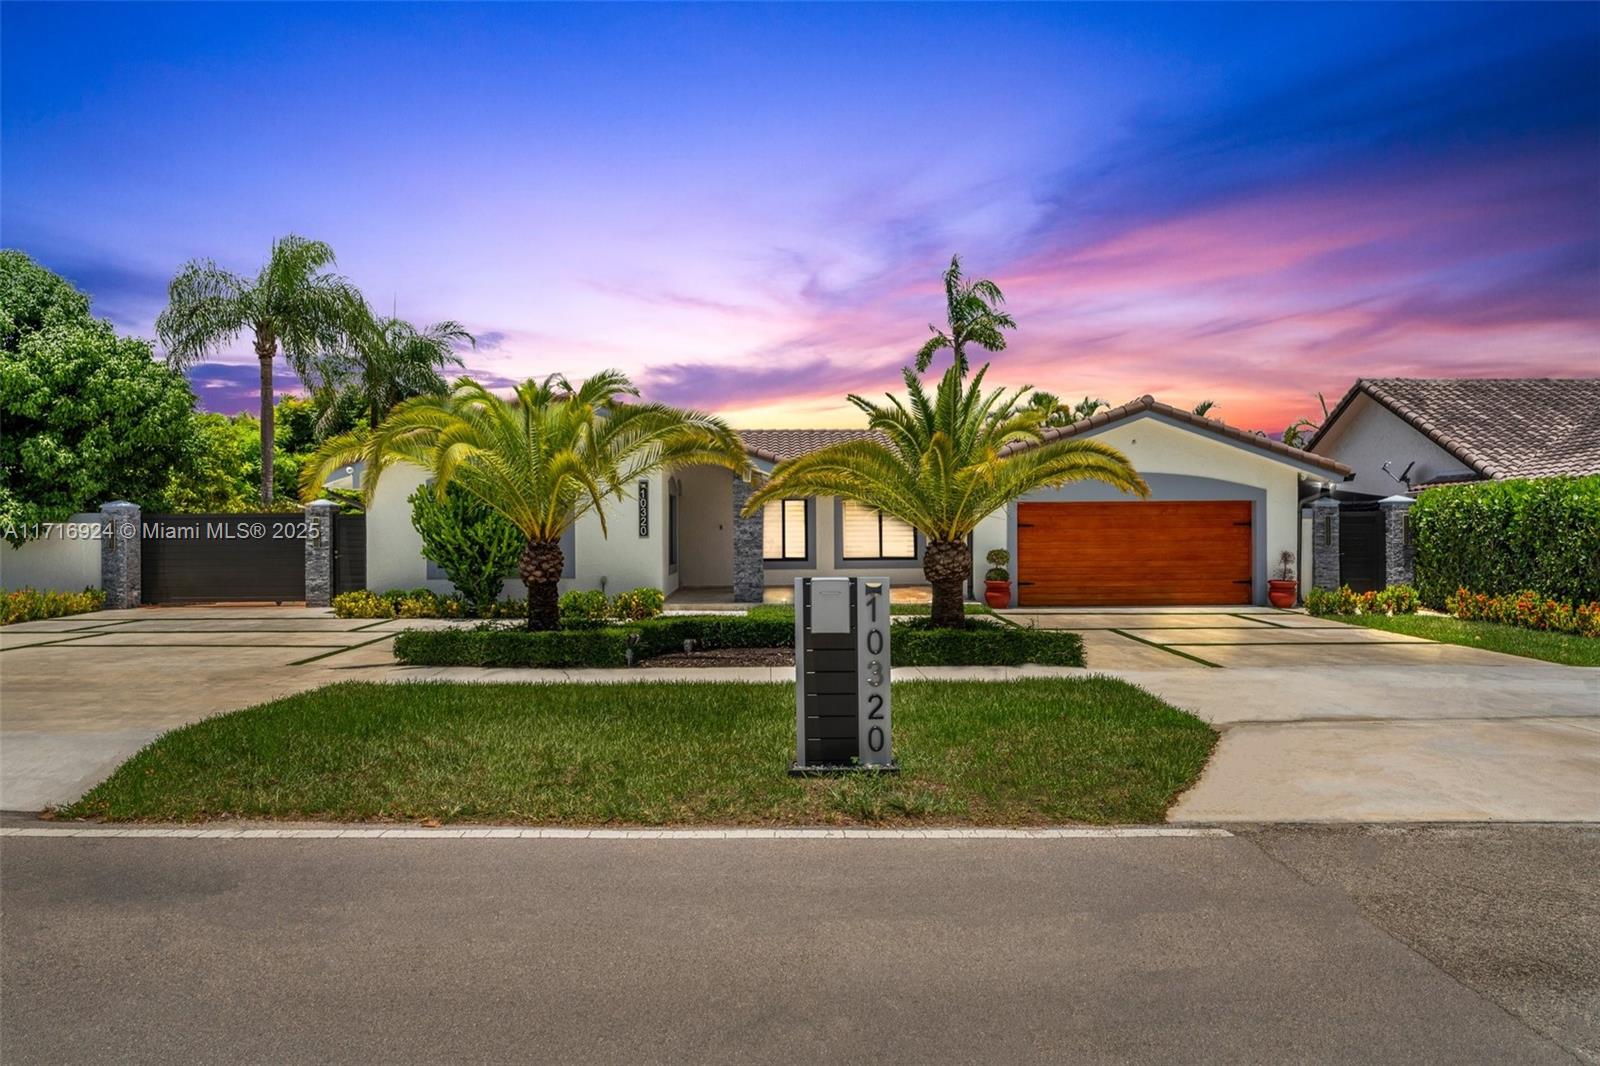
{"type": "Point", "coordinates": [510, 833]}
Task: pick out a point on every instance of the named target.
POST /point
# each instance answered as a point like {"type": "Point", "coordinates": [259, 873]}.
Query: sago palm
{"type": "Point", "coordinates": [543, 459]}
{"type": "Point", "coordinates": [385, 360]}
{"type": "Point", "coordinates": [293, 305]}
{"type": "Point", "coordinates": [947, 462]}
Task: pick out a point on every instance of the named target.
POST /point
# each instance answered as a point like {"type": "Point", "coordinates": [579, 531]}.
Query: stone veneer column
{"type": "Point", "coordinates": [119, 554]}
{"type": "Point", "coordinates": [319, 552]}
{"type": "Point", "coordinates": [1325, 543]}
{"type": "Point", "coordinates": [749, 537]}
{"type": "Point", "coordinates": [1399, 564]}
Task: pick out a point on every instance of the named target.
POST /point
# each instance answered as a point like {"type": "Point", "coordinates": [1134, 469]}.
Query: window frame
{"type": "Point", "coordinates": [808, 524]}
{"type": "Point", "coordinates": [845, 557]}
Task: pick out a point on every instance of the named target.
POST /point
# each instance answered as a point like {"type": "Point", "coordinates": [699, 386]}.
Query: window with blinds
{"type": "Point", "coordinates": [869, 534]}
{"type": "Point", "coordinates": [783, 528]}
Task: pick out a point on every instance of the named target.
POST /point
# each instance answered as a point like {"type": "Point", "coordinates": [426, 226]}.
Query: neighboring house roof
{"type": "Point", "coordinates": [776, 445]}
{"type": "Point", "coordinates": [1500, 427]}
{"type": "Point", "coordinates": [1150, 405]}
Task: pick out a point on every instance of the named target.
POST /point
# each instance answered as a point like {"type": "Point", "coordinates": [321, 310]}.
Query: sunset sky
{"type": "Point", "coordinates": [747, 207]}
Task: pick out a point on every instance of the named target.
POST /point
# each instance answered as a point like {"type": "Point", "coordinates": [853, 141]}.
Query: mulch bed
{"type": "Point", "coordinates": [726, 657]}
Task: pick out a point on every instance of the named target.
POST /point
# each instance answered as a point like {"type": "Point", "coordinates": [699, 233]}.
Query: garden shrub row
{"type": "Point", "coordinates": [1527, 610]}
{"type": "Point", "coordinates": [576, 607]}
{"type": "Point", "coordinates": [29, 604]}
{"type": "Point", "coordinates": [1499, 538]}
{"type": "Point", "coordinates": [914, 643]}
{"type": "Point", "coordinates": [1396, 599]}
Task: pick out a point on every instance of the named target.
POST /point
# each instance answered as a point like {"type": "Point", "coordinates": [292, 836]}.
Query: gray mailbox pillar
{"type": "Point", "coordinates": [841, 662]}
{"type": "Point", "coordinates": [1325, 543]}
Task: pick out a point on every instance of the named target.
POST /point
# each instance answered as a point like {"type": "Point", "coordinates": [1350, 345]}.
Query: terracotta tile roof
{"type": "Point", "coordinates": [1210, 425]}
{"type": "Point", "coordinates": [1500, 427]}
{"type": "Point", "coordinates": [776, 445]}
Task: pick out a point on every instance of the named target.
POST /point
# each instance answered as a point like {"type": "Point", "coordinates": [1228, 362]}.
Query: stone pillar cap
{"type": "Point", "coordinates": [323, 503]}
{"type": "Point", "coordinates": [1399, 499]}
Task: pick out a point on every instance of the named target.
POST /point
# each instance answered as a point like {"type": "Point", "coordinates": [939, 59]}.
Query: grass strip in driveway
{"type": "Point", "coordinates": [1036, 752]}
{"type": "Point", "coordinates": [1564, 648]}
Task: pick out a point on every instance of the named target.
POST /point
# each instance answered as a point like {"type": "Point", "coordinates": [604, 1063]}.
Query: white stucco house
{"type": "Point", "coordinates": [1224, 503]}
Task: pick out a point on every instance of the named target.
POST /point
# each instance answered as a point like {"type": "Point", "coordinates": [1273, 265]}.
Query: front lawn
{"type": "Point", "coordinates": [1029, 752]}
{"type": "Point", "coordinates": [1562, 648]}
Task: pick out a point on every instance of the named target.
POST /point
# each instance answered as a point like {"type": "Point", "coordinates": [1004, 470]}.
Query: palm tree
{"type": "Point", "coordinates": [292, 304]}
{"type": "Point", "coordinates": [1299, 432]}
{"type": "Point", "coordinates": [552, 454]}
{"type": "Point", "coordinates": [950, 461]}
{"type": "Point", "coordinates": [1055, 414]}
{"type": "Point", "coordinates": [973, 317]}
{"type": "Point", "coordinates": [386, 360]}
{"type": "Point", "coordinates": [1086, 407]}
{"type": "Point", "coordinates": [1204, 408]}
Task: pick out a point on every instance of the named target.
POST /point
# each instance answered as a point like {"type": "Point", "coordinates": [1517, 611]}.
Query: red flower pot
{"type": "Point", "coordinates": [1282, 593]}
{"type": "Point", "coordinates": [997, 594]}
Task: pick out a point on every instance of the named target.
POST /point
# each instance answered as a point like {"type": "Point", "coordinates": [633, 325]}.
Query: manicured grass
{"type": "Point", "coordinates": [1019, 753]}
{"type": "Point", "coordinates": [1491, 636]}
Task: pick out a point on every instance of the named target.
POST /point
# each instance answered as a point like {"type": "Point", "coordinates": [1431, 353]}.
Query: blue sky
{"type": "Point", "coordinates": [747, 207]}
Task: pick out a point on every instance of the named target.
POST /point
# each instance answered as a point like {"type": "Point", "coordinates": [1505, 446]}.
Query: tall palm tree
{"type": "Point", "coordinates": [293, 304]}
{"type": "Point", "coordinates": [385, 360]}
{"type": "Point", "coordinates": [972, 315]}
{"type": "Point", "coordinates": [552, 454]}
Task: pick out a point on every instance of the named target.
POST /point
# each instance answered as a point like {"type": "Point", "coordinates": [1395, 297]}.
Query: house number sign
{"type": "Point", "coordinates": [644, 508]}
{"type": "Point", "coordinates": [842, 697]}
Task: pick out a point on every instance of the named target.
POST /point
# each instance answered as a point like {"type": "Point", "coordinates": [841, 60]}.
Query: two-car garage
{"type": "Point", "coordinates": [1223, 506]}
{"type": "Point", "coordinates": [1134, 553]}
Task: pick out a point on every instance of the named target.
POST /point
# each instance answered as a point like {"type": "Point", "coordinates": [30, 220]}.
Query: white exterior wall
{"type": "Point", "coordinates": [67, 560]}
{"type": "Point", "coordinates": [1368, 435]}
{"type": "Point", "coordinates": [990, 534]}
{"type": "Point", "coordinates": [624, 559]}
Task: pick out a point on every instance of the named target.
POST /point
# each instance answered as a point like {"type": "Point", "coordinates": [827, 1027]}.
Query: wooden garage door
{"type": "Point", "coordinates": [1125, 554]}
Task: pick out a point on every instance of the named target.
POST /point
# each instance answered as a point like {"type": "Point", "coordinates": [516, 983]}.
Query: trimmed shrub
{"type": "Point", "coordinates": [29, 604]}
{"type": "Point", "coordinates": [583, 607]}
{"type": "Point", "coordinates": [1396, 599]}
{"type": "Point", "coordinates": [917, 643]}
{"type": "Point", "coordinates": [501, 646]}
{"type": "Point", "coordinates": [636, 605]}
{"type": "Point", "coordinates": [398, 603]}
{"type": "Point", "coordinates": [362, 604]}
{"type": "Point", "coordinates": [1501, 537]}
{"type": "Point", "coordinates": [912, 643]}
{"type": "Point", "coordinates": [475, 545]}
{"type": "Point", "coordinates": [1527, 610]}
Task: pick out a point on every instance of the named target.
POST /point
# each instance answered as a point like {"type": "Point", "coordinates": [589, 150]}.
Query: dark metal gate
{"type": "Point", "coordinates": [1361, 562]}
{"type": "Point", "coordinates": [210, 558]}
{"type": "Point", "coordinates": [349, 553]}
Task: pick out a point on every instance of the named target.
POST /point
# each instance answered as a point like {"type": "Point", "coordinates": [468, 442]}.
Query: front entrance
{"type": "Point", "coordinates": [1361, 547]}
{"type": "Point", "coordinates": [209, 558]}
{"type": "Point", "coordinates": [1142, 553]}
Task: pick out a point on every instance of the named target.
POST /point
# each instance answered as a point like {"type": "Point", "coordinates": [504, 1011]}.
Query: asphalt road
{"type": "Point", "coordinates": [1115, 950]}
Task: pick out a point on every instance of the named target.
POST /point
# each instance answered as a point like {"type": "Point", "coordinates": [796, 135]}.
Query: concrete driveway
{"type": "Point", "coordinates": [1326, 722]}
{"type": "Point", "coordinates": [1319, 721]}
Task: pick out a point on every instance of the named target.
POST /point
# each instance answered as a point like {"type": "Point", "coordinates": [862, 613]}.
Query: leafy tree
{"type": "Point", "coordinates": [33, 299]}
{"type": "Point", "coordinates": [386, 360]}
{"type": "Point", "coordinates": [89, 416]}
{"type": "Point", "coordinates": [292, 304]}
{"type": "Point", "coordinates": [948, 461]}
{"type": "Point", "coordinates": [216, 478]}
{"type": "Point", "coordinates": [972, 316]}
{"type": "Point", "coordinates": [472, 543]}
{"type": "Point", "coordinates": [553, 454]}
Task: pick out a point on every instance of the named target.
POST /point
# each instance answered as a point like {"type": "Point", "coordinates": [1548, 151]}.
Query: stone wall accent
{"type": "Point", "coordinates": [1325, 543]}
{"type": "Point", "coordinates": [749, 542]}
{"type": "Point", "coordinates": [1399, 563]}
{"type": "Point", "coordinates": [319, 552]}
{"type": "Point", "coordinates": [119, 554]}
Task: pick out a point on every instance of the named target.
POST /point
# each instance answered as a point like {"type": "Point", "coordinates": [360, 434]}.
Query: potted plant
{"type": "Point", "coordinates": [997, 581]}
{"type": "Point", "coordinates": [1283, 590]}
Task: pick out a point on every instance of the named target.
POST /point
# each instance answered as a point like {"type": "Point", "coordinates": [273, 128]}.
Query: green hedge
{"type": "Point", "coordinates": [29, 604]}
{"type": "Point", "coordinates": [914, 643]}
{"type": "Point", "coordinates": [1500, 537]}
